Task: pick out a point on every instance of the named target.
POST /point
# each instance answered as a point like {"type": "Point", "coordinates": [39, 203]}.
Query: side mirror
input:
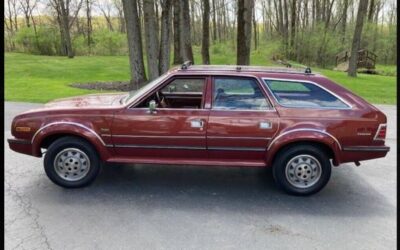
{"type": "Point", "coordinates": [152, 107]}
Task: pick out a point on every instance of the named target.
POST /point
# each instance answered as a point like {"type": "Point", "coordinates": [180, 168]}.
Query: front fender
{"type": "Point", "coordinates": [69, 128]}
{"type": "Point", "coordinates": [303, 135]}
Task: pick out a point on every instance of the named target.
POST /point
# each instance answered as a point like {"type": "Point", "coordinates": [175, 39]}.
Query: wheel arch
{"type": "Point", "coordinates": [320, 139]}
{"type": "Point", "coordinates": [49, 133]}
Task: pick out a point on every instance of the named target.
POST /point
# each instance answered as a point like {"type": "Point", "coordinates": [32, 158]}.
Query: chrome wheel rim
{"type": "Point", "coordinates": [303, 171]}
{"type": "Point", "coordinates": [72, 164]}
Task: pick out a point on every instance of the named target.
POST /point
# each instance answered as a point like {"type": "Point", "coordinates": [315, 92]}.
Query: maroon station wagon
{"type": "Point", "coordinates": [297, 122]}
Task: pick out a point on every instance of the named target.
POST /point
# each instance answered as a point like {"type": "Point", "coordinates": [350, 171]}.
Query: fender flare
{"type": "Point", "coordinates": [304, 135]}
{"type": "Point", "coordinates": [72, 128]}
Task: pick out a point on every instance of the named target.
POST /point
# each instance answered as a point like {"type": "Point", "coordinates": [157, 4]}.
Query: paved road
{"type": "Point", "coordinates": [171, 207]}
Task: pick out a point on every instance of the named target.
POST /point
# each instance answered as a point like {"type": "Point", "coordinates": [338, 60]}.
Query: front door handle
{"type": "Point", "coordinates": [197, 123]}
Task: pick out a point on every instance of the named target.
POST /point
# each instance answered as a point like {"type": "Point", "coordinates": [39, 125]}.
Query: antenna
{"type": "Point", "coordinates": [186, 64]}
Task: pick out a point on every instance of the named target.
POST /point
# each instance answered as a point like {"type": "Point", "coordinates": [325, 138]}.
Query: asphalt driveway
{"type": "Point", "coordinates": [186, 207]}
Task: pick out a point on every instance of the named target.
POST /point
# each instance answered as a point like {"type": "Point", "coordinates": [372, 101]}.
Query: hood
{"type": "Point", "coordinates": [87, 101]}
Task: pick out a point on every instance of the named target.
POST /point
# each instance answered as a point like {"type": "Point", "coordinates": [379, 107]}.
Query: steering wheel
{"type": "Point", "coordinates": [161, 99]}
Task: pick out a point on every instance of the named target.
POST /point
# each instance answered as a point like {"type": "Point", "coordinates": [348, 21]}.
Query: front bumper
{"type": "Point", "coordinates": [21, 146]}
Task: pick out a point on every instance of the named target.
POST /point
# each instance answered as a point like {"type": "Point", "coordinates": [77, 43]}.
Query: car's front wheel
{"type": "Point", "coordinates": [71, 162]}
{"type": "Point", "coordinates": [302, 169]}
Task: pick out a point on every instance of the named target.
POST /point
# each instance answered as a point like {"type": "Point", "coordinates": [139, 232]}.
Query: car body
{"type": "Point", "coordinates": [242, 116]}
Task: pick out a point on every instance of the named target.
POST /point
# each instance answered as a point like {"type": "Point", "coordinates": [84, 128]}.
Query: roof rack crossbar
{"type": "Point", "coordinates": [186, 64]}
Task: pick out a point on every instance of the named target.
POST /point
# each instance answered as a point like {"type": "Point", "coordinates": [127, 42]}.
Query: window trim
{"type": "Point", "coordinates": [349, 106]}
{"type": "Point", "coordinates": [270, 108]}
{"type": "Point", "coordinates": [167, 81]}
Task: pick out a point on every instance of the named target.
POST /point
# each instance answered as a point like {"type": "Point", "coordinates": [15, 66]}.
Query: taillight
{"type": "Point", "coordinates": [381, 132]}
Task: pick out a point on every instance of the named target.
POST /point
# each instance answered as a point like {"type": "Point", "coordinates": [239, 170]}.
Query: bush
{"type": "Point", "coordinates": [109, 43]}
{"type": "Point", "coordinates": [43, 42]}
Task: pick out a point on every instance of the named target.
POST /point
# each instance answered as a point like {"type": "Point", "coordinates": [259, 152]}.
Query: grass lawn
{"type": "Point", "coordinates": [31, 78]}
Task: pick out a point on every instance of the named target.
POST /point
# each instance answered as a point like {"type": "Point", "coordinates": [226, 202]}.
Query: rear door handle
{"type": "Point", "coordinates": [197, 123]}
{"type": "Point", "coordinates": [265, 125]}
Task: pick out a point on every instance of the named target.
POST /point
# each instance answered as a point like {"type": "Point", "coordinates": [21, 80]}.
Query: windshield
{"type": "Point", "coordinates": [134, 94]}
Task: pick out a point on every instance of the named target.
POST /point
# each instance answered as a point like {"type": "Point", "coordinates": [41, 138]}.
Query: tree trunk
{"type": "Point", "coordinates": [245, 11]}
{"type": "Point", "coordinates": [89, 25]}
{"type": "Point", "coordinates": [206, 33]}
{"type": "Point", "coordinates": [362, 9]}
{"type": "Point", "coordinates": [66, 29]}
{"type": "Point", "coordinates": [151, 39]}
{"type": "Point", "coordinates": [185, 35]}
{"type": "Point", "coordinates": [214, 22]}
{"type": "Point", "coordinates": [292, 27]}
{"type": "Point", "coordinates": [344, 20]}
{"type": "Point", "coordinates": [138, 76]}
{"type": "Point", "coordinates": [177, 33]}
{"type": "Point", "coordinates": [164, 55]}
{"type": "Point", "coordinates": [371, 11]}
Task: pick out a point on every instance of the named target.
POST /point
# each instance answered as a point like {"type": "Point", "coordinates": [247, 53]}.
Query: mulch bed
{"type": "Point", "coordinates": [112, 86]}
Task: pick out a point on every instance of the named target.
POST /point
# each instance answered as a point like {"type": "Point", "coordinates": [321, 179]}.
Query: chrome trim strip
{"type": "Point", "coordinates": [239, 137]}
{"type": "Point", "coordinates": [70, 123]}
{"type": "Point", "coordinates": [158, 147]}
{"type": "Point", "coordinates": [305, 129]}
{"type": "Point", "coordinates": [161, 136]}
{"type": "Point", "coordinates": [377, 131]}
{"type": "Point", "coordinates": [367, 148]}
{"type": "Point", "coordinates": [349, 106]}
{"type": "Point", "coordinates": [237, 149]}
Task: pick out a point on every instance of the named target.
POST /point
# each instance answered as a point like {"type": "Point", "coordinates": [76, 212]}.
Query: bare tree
{"type": "Point", "coordinates": [138, 76]}
{"type": "Point", "coordinates": [106, 7]}
{"type": "Point", "coordinates": [206, 33]}
{"type": "Point", "coordinates": [151, 39]}
{"type": "Point", "coordinates": [27, 6]}
{"type": "Point", "coordinates": [64, 8]}
{"type": "Point", "coordinates": [165, 51]}
{"type": "Point", "coordinates": [89, 28]}
{"type": "Point", "coordinates": [362, 10]}
{"type": "Point", "coordinates": [120, 13]}
{"type": "Point", "coordinates": [245, 10]}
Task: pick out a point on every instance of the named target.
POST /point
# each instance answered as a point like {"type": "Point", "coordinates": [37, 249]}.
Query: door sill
{"type": "Point", "coordinates": [187, 162]}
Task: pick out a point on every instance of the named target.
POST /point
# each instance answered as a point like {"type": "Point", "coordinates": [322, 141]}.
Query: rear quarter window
{"type": "Point", "coordinates": [303, 94]}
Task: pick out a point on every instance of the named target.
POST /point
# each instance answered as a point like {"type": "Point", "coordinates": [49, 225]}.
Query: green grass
{"type": "Point", "coordinates": [31, 78]}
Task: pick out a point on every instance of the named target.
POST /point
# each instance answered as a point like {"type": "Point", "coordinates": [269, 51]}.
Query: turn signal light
{"type": "Point", "coordinates": [22, 129]}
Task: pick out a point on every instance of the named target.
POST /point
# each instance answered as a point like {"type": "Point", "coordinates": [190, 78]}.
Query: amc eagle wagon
{"type": "Point", "coordinates": [296, 122]}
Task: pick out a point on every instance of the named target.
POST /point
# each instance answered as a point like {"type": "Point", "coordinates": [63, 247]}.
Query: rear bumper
{"type": "Point", "coordinates": [362, 153]}
{"type": "Point", "coordinates": [21, 146]}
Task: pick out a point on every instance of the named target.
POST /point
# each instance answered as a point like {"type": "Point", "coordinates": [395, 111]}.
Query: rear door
{"type": "Point", "coordinates": [242, 120]}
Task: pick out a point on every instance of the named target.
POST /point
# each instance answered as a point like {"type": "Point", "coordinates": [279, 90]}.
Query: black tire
{"type": "Point", "coordinates": [71, 142]}
{"type": "Point", "coordinates": [284, 178]}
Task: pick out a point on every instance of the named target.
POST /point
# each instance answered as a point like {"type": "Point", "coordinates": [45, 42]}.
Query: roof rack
{"type": "Point", "coordinates": [244, 68]}
{"type": "Point", "coordinates": [186, 64]}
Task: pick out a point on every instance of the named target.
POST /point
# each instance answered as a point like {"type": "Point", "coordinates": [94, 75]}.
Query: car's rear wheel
{"type": "Point", "coordinates": [302, 169]}
{"type": "Point", "coordinates": [71, 162]}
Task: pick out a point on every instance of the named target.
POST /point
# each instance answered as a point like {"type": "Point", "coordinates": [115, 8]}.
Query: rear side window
{"type": "Point", "coordinates": [238, 93]}
{"type": "Point", "coordinates": [303, 94]}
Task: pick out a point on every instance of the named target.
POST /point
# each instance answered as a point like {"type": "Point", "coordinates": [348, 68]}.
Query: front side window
{"type": "Point", "coordinates": [238, 94]}
{"type": "Point", "coordinates": [180, 93]}
{"type": "Point", "coordinates": [303, 94]}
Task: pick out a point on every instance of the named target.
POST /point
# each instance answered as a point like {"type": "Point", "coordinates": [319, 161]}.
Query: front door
{"type": "Point", "coordinates": [242, 121]}
{"type": "Point", "coordinates": [174, 131]}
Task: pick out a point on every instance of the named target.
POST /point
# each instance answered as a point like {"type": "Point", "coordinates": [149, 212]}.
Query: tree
{"type": "Point", "coordinates": [177, 33]}
{"type": "Point", "coordinates": [206, 33]}
{"type": "Point", "coordinates": [185, 37]}
{"type": "Point", "coordinates": [164, 54]}
{"type": "Point", "coordinates": [151, 39]}
{"type": "Point", "coordinates": [244, 16]}
{"type": "Point", "coordinates": [89, 27]}
{"type": "Point", "coordinates": [138, 76]}
{"type": "Point", "coordinates": [362, 10]}
{"type": "Point", "coordinates": [106, 7]}
{"type": "Point", "coordinates": [64, 8]}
